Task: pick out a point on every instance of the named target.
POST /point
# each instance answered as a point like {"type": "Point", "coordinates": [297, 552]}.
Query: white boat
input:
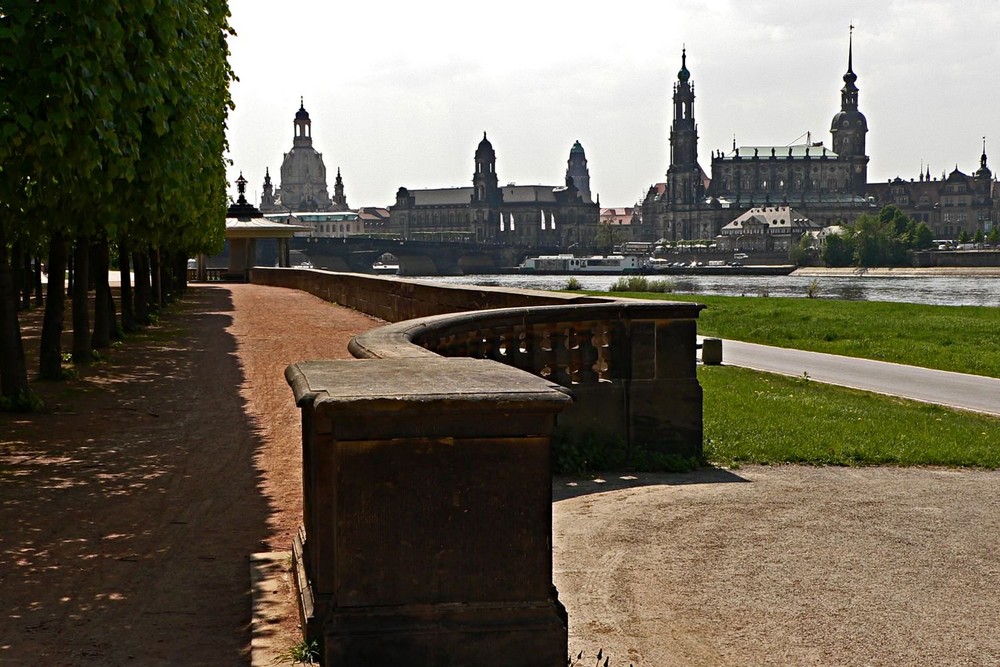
{"type": "Point", "coordinates": [597, 264]}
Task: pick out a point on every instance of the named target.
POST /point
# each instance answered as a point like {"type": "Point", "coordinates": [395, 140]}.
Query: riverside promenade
{"type": "Point", "coordinates": [131, 508]}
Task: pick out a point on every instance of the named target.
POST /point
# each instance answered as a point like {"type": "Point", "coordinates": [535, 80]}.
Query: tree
{"type": "Point", "coordinates": [607, 237]}
{"type": "Point", "coordinates": [93, 91]}
{"type": "Point", "coordinates": [963, 236]}
{"type": "Point", "coordinates": [838, 250]}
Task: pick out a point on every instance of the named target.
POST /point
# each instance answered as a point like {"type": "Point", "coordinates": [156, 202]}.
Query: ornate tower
{"type": "Point", "coordinates": [484, 180]}
{"type": "Point", "coordinates": [577, 170]}
{"type": "Point", "coordinates": [683, 176]}
{"type": "Point", "coordinates": [486, 195]}
{"type": "Point", "coordinates": [267, 196]}
{"type": "Point", "coordinates": [850, 126]}
{"type": "Point", "coordinates": [339, 200]}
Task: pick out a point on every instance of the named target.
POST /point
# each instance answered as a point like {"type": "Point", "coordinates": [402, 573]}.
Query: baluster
{"type": "Point", "coordinates": [586, 353]}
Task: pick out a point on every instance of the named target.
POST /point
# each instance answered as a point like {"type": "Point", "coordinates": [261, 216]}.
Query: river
{"type": "Point", "coordinates": [934, 290]}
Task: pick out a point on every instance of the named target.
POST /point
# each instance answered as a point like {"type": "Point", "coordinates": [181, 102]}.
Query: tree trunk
{"type": "Point", "coordinates": [125, 266]}
{"type": "Point", "coordinates": [141, 261]}
{"type": "Point", "coordinates": [13, 367]}
{"type": "Point", "coordinates": [37, 281]}
{"type": "Point", "coordinates": [103, 322]}
{"type": "Point", "coordinates": [156, 273]}
{"type": "Point", "coordinates": [82, 351]}
{"type": "Point", "coordinates": [50, 351]}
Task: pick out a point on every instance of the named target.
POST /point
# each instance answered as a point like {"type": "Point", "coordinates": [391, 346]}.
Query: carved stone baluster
{"type": "Point", "coordinates": [559, 357]}
{"type": "Point", "coordinates": [586, 353]}
{"type": "Point", "coordinates": [601, 341]}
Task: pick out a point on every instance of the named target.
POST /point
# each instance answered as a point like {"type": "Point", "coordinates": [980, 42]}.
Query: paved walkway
{"type": "Point", "coordinates": [956, 390]}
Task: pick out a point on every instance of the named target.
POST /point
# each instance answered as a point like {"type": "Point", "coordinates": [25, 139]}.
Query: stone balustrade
{"type": "Point", "coordinates": [427, 464]}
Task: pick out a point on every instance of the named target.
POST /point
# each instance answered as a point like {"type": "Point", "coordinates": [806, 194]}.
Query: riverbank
{"type": "Point", "coordinates": [901, 272]}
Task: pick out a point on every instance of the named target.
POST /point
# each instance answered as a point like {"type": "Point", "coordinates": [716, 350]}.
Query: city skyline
{"type": "Point", "coordinates": [399, 95]}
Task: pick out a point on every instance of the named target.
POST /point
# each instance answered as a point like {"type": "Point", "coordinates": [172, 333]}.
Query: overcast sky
{"type": "Point", "coordinates": [400, 93]}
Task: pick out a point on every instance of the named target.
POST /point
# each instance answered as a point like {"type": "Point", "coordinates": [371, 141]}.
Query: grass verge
{"type": "Point", "coordinates": [964, 339]}
{"type": "Point", "coordinates": [753, 417]}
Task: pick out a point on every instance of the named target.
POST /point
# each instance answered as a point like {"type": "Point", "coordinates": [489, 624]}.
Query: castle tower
{"type": "Point", "coordinates": [684, 186]}
{"type": "Point", "coordinates": [850, 126]}
{"type": "Point", "coordinates": [577, 170]}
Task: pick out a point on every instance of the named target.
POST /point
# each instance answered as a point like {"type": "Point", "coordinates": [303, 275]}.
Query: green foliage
{"type": "Point", "coordinates": [303, 653]}
{"type": "Point", "coordinates": [812, 289]}
{"type": "Point", "coordinates": [573, 285]}
{"type": "Point", "coordinates": [641, 284]}
{"type": "Point", "coordinates": [22, 402]}
{"type": "Point", "coordinates": [837, 250]}
{"type": "Point", "coordinates": [799, 253]}
{"type": "Point", "coordinates": [963, 236]}
{"type": "Point", "coordinates": [964, 339]}
{"type": "Point", "coordinates": [607, 237]}
{"type": "Point", "coordinates": [978, 238]}
{"type": "Point", "coordinates": [994, 235]}
{"type": "Point", "coordinates": [884, 239]}
{"type": "Point", "coordinates": [754, 417]}
{"type": "Point", "coordinates": [576, 452]}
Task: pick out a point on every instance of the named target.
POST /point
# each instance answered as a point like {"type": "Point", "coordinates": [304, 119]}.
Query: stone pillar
{"type": "Point", "coordinates": [427, 536]}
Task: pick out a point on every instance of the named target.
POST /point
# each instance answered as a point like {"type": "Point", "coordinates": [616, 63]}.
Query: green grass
{"type": "Point", "coordinates": [752, 417]}
{"type": "Point", "coordinates": [964, 339]}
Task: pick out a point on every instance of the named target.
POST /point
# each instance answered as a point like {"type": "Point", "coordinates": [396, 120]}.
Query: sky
{"type": "Point", "coordinates": [400, 93]}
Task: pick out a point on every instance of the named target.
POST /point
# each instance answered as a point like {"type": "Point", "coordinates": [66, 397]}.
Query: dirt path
{"type": "Point", "coordinates": [129, 510]}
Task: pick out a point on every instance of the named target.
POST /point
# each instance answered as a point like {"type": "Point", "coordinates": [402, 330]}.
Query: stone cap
{"type": "Point", "coordinates": [433, 396]}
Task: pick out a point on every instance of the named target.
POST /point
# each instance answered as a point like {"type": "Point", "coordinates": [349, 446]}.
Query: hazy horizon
{"type": "Point", "coordinates": [400, 94]}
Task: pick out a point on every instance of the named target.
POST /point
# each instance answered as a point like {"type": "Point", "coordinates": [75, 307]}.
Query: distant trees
{"type": "Point", "coordinates": [112, 133]}
{"type": "Point", "coordinates": [884, 239]}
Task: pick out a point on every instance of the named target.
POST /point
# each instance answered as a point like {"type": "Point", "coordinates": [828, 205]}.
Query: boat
{"type": "Point", "coordinates": [596, 264]}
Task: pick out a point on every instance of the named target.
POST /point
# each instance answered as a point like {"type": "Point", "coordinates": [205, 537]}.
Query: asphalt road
{"type": "Point", "coordinates": [957, 390]}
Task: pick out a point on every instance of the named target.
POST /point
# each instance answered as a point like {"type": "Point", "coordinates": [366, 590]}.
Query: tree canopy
{"type": "Point", "coordinates": [883, 239]}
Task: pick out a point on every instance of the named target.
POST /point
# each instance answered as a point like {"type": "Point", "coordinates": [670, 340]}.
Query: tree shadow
{"type": "Point", "coordinates": [565, 487]}
{"type": "Point", "coordinates": [130, 506]}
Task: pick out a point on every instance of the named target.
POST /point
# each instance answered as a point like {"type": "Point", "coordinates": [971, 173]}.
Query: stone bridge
{"type": "Point", "coordinates": [415, 258]}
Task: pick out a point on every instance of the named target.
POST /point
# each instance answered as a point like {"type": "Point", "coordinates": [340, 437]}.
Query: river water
{"type": "Point", "coordinates": [934, 290]}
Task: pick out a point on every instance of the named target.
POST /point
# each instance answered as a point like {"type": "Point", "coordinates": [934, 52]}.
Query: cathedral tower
{"type": "Point", "coordinates": [684, 185]}
{"type": "Point", "coordinates": [850, 126]}
{"type": "Point", "coordinates": [577, 170]}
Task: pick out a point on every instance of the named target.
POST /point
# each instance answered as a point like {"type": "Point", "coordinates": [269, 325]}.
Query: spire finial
{"type": "Point", "coordinates": [850, 49]}
{"type": "Point", "coordinates": [302, 102]}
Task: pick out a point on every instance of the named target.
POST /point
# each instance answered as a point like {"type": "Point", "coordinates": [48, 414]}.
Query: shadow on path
{"type": "Point", "coordinates": [129, 508]}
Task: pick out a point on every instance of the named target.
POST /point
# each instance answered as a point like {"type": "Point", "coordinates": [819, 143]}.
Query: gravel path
{"type": "Point", "coordinates": [129, 509]}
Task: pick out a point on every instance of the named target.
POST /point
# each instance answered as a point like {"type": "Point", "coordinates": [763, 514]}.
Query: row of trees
{"type": "Point", "coordinates": [883, 239]}
{"type": "Point", "coordinates": [112, 135]}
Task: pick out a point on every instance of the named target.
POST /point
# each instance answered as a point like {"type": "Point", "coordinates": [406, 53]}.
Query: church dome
{"type": "Point", "coordinates": [302, 114]}
{"type": "Point", "coordinates": [577, 148]}
{"type": "Point", "coordinates": [845, 120]}
{"type": "Point", "coordinates": [484, 145]}
{"type": "Point", "coordinates": [683, 75]}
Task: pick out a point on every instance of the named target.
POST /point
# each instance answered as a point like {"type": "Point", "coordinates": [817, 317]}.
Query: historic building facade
{"type": "Point", "coordinates": [303, 176]}
{"type": "Point", "coordinates": [950, 205]}
{"type": "Point", "coordinates": [536, 215]}
{"type": "Point", "coordinates": [826, 184]}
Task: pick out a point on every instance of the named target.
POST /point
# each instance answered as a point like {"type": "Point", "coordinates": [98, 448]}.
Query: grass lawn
{"type": "Point", "coordinates": [752, 417]}
{"type": "Point", "coordinates": [964, 339]}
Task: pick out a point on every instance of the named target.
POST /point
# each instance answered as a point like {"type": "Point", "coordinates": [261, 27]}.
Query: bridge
{"type": "Point", "coordinates": [415, 258]}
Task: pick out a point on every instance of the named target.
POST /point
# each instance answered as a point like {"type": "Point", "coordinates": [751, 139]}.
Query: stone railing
{"type": "Point", "coordinates": [630, 365]}
{"type": "Point", "coordinates": [427, 534]}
